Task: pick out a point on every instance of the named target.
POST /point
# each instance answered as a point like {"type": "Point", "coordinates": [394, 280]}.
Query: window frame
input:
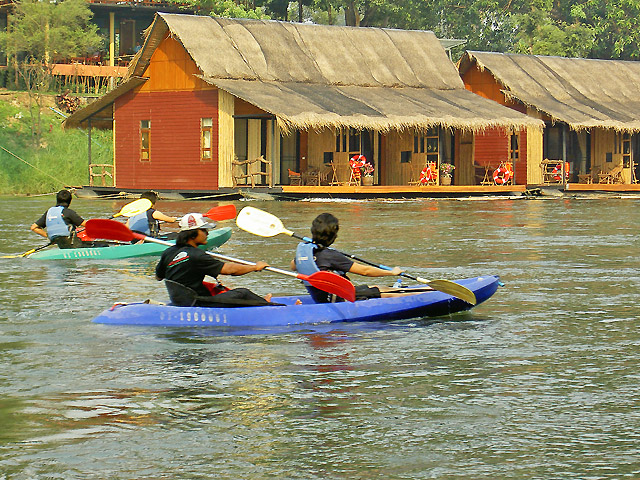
{"type": "Point", "coordinates": [145, 130]}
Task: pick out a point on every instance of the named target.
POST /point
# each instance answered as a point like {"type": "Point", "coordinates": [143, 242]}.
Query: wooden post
{"type": "Point", "coordinates": [564, 156]}
{"type": "Point", "coordinates": [89, 150]}
{"type": "Point", "coordinates": [112, 39]}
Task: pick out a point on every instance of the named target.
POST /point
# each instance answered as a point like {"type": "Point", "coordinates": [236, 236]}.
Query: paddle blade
{"type": "Point", "coordinates": [109, 229]}
{"type": "Point", "coordinates": [134, 208]}
{"type": "Point", "coordinates": [260, 223]}
{"type": "Point", "coordinates": [453, 289]}
{"type": "Point", "coordinates": [224, 212]}
{"type": "Point", "coordinates": [332, 283]}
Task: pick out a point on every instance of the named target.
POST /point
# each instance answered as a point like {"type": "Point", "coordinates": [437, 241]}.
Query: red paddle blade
{"type": "Point", "coordinates": [81, 233]}
{"type": "Point", "coordinates": [332, 283]}
{"type": "Point", "coordinates": [109, 229]}
{"type": "Point", "coordinates": [224, 212]}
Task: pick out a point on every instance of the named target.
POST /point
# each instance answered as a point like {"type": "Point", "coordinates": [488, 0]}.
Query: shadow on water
{"type": "Point", "coordinates": [196, 335]}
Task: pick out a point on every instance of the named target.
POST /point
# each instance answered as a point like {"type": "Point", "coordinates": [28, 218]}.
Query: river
{"type": "Point", "coordinates": [539, 382]}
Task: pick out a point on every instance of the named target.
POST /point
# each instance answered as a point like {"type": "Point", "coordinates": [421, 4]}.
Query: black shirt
{"type": "Point", "coordinates": [332, 260]}
{"type": "Point", "coordinates": [188, 266]}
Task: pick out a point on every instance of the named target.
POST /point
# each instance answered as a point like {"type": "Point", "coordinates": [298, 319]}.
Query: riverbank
{"type": "Point", "coordinates": [57, 160]}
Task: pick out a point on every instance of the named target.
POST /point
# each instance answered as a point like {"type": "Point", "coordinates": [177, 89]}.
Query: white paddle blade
{"type": "Point", "coordinates": [259, 222]}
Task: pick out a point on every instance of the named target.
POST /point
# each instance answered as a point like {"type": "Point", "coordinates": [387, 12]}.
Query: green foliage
{"type": "Point", "coordinates": [60, 159]}
{"type": "Point", "coordinates": [44, 31]}
{"type": "Point", "coordinates": [225, 8]}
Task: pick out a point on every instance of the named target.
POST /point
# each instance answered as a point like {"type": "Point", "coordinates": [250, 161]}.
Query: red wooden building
{"type": "Point", "coordinates": [207, 96]}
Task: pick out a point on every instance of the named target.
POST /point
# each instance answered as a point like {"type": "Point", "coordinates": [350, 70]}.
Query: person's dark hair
{"type": "Point", "coordinates": [63, 197]}
{"type": "Point", "coordinates": [324, 229]}
{"type": "Point", "coordinates": [184, 237]}
{"type": "Point", "coordinates": [150, 195]}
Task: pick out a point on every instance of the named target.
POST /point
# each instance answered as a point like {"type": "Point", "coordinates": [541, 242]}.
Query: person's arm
{"type": "Point", "coordinates": [235, 269]}
{"type": "Point", "coordinates": [293, 265]}
{"type": "Point", "coordinates": [369, 271]}
{"type": "Point", "coordinates": [163, 218]}
{"type": "Point", "coordinates": [39, 230]}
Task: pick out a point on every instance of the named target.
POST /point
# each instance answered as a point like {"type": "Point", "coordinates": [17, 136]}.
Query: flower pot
{"type": "Point", "coordinates": [367, 181]}
{"type": "Point", "coordinates": [445, 180]}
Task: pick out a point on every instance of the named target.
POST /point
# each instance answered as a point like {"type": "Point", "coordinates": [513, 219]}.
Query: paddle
{"type": "Point", "coordinates": [325, 281]}
{"type": "Point", "coordinates": [223, 212]}
{"type": "Point", "coordinates": [264, 224]}
{"type": "Point", "coordinates": [29, 252]}
{"type": "Point", "coordinates": [134, 208]}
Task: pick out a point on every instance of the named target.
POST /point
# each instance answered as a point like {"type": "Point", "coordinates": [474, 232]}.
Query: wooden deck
{"type": "Point", "coordinates": [402, 189]}
{"type": "Point", "coordinates": [603, 187]}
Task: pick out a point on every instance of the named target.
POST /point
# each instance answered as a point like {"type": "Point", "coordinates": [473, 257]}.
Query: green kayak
{"type": "Point", "coordinates": [216, 238]}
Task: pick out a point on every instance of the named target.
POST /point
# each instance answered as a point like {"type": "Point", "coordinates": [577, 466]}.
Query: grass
{"type": "Point", "coordinates": [59, 160]}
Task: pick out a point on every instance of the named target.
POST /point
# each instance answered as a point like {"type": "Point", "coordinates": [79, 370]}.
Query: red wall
{"type": "Point", "coordinates": [175, 140]}
{"type": "Point", "coordinates": [492, 148]}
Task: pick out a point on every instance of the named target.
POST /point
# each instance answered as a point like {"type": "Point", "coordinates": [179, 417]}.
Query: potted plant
{"type": "Point", "coordinates": [367, 171]}
{"type": "Point", "coordinates": [446, 170]}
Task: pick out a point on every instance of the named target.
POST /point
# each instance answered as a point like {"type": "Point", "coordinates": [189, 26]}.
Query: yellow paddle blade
{"type": "Point", "coordinates": [134, 208]}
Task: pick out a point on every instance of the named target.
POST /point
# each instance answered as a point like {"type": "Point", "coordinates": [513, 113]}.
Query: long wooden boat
{"type": "Point", "coordinates": [428, 304]}
{"type": "Point", "coordinates": [216, 238]}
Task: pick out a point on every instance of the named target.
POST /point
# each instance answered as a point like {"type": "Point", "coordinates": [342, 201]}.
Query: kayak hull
{"type": "Point", "coordinates": [427, 304]}
{"type": "Point", "coordinates": [216, 238]}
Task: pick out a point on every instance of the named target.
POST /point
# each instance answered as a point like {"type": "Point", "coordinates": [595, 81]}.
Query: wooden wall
{"type": "Point", "coordinates": [225, 138]}
{"type": "Point", "coordinates": [174, 140]}
{"type": "Point", "coordinates": [395, 172]}
{"type": "Point", "coordinates": [604, 142]}
{"type": "Point", "coordinates": [174, 101]}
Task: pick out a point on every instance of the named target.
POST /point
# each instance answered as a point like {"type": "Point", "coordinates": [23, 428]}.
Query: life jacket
{"type": "Point", "coordinates": [145, 223]}
{"type": "Point", "coordinates": [306, 265]}
{"type": "Point", "coordinates": [56, 226]}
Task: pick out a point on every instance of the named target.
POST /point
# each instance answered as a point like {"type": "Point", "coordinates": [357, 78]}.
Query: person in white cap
{"type": "Point", "coordinates": [187, 265]}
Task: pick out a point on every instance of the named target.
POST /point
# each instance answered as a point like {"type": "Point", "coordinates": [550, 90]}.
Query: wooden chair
{"type": "Point", "coordinates": [248, 170]}
{"type": "Point", "coordinates": [295, 178]}
{"type": "Point", "coordinates": [612, 176]}
{"type": "Point", "coordinates": [335, 177]}
{"type": "Point", "coordinates": [585, 178]}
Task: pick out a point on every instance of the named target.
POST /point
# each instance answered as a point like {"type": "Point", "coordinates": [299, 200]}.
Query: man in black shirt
{"type": "Point", "coordinates": [58, 223]}
{"type": "Point", "coordinates": [324, 230]}
{"type": "Point", "coordinates": [187, 265]}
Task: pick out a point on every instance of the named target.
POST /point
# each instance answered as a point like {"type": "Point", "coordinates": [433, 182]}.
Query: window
{"type": "Point", "coordinates": [626, 150]}
{"type": "Point", "coordinates": [418, 143]}
{"type": "Point", "coordinates": [432, 140]}
{"type": "Point", "coordinates": [145, 140]}
{"type": "Point", "coordinates": [348, 140]}
{"type": "Point", "coordinates": [328, 158]}
{"type": "Point", "coordinates": [514, 147]}
{"type": "Point", "coordinates": [206, 129]}
{"type": "Point", "coordinates": [405, 156]}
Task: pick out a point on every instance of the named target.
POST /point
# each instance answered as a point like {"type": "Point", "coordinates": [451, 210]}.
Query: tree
{"type": "Point", "coordinates": [40, 33]}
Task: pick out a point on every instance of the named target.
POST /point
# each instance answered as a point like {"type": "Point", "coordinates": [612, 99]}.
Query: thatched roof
{"type": "Point", "coordinates": [101, 110]}
{"type": "Point", "coordinates": [581, 92]}
{"type": "Point", "coordinates": [313, 76]}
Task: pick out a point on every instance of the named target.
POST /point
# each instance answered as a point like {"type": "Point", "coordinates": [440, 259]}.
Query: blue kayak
{"type": "Point", "coordinates": [428, 304]}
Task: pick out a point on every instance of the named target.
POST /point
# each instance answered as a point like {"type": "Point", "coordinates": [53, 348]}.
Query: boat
{"type": "Point", "coordinates": [216, 238]}
{"type": "Point", "coordinates": [431, 303]}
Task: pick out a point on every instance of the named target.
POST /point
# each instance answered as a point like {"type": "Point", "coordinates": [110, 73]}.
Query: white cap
{"type": "Point", "coordinates": [192, 221]}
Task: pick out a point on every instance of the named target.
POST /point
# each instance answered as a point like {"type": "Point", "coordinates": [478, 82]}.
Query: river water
{"type": "Point", "coordinates": [539, 382]}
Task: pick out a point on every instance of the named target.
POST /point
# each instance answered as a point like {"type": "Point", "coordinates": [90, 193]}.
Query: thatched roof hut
{"type": "Point", "coordinates": [582, 93]}
{"type": "Point", "coordinates": [316, 77]}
